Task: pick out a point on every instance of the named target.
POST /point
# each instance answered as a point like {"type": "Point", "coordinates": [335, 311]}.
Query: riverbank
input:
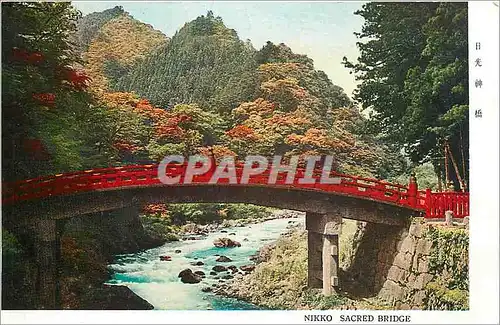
{"type": "Point", "coordinates": [426, 268]}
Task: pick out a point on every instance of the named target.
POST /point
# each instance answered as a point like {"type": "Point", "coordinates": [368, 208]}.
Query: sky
{"type": "Point", "coordinates": [321, 30]}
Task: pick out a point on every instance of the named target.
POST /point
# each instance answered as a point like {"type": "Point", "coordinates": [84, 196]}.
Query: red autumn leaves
{"type": "Point", "coordinates": [167, 125]}
{"type": "Point", "coordinates": [74, 79]}
{"type": "Point", "coordinates": [47, 99]}
{"type": "Point", "coordinates": [22, 55]}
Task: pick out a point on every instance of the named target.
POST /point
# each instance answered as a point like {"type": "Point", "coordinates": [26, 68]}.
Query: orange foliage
{"type": "Point", "coordinates": [260, 107]}
{"type": "Point", "coordinates": [155, 208]}
{"type": "Point", "coordinates": [124, 146]}
{"type": "Point", "coordinates": [166, 125]}
{"type": "Point", "coordinates": [166, 130]}
{"type": "Point", "coordinates": [288, 119]}
{"type": "Point", "coordinates": [242, 132]}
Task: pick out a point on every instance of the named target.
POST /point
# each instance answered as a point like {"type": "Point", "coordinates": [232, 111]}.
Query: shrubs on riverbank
{"type": "Point", "coordinates": [450, 259]}
{"type": "Point", "coordinates": [173, 220]}
{"type": "Point", "coordinates": [278, 283]}
{"type": "Point", "coordinates": [204, 213]}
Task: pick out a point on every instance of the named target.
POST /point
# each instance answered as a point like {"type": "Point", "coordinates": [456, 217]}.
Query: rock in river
{"type": "Point", "coordinates": [206, 289]}
{"type": "Point", "coordinates": [199, 263]}
{"type": "Point", "coordinates": [226, 242]}
{"type": "Point", "coordinates": [200, 273]}
{"type": "Point", "coordinates": [223, 259]}
{"type": "Point", "coordinates": [187, 276]}
{"type": "Point", "coordinates": [219, 268]}
{"type": "Point", "coordinates": [247, 268]}
{"type": "Point", "coordinates": [177, 251]}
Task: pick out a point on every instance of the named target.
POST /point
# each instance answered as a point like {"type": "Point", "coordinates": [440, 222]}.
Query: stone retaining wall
{"type": "Point", "coordinates": [392, 263]}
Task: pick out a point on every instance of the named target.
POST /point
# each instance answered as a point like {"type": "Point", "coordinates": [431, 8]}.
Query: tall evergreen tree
{"type": "Point", "coordinates": [413, 72]}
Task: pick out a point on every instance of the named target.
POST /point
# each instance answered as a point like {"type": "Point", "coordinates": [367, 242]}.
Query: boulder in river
{"type": "Point", "coordinates": [223, 259]}
{"type": "Point", "coordinates": [245, 239]}
{"type": "Point", "coordinates": [206, 289]}
{"type": "Point", "coordinates": [223, 231]}
{"type": "Point", "coordinates": [187, 276]}
{"type": "Point", "coordinates": [198, 263]}
{"type": "Point", "coordinates": [219, 268]}
{"type": "Point", "coordinates": [226, 242]}
{"type": "Point", "coordinates": [200, 273]}
{"type": "Point", "coordinates": [213, 273]}
{"type": "Point", "coordinates": [177, 251]}
{"type": "Point", "coordinates": [232, 234]}
{"type": "Point", "coordinates": [227, 277]}
{"type": "Point", "coordinates": [247, 268]}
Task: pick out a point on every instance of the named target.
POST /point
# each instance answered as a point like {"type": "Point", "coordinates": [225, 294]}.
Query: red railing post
{"type": "Point", "coordinates": [428, 203]}
{"type": "Point", "coordinates": [412, 191]}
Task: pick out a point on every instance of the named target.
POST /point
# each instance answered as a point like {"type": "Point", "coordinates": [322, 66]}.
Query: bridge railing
{"type": "Point", "coordinates": [143, 175]}
{"type": "Point", "coordinates": [140, 175]}
{"type": "Point", "coordinates": [438, 203]}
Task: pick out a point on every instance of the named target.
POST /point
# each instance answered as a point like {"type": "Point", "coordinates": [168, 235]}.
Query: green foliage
{"type": "Point", "coordinates": [11, 249]}
{"type": "Point", "coordinates": [114, 71]}
{"type": "Point", "coordinates": [449, 261]}
{"type": "Point", "coordinates": [316, 300]}
{"type": "Point", "coordinates": [160, 226]}
{"type": "Point", "coordinates": [413, 72]}
{"type": "Point", "coordinates": [204, 63]}
{"type": "Point", "coordinates": [203, 213]}
{"type": "Point", "coordinates": [438, 297]}
{"type": "Point", "coordinates": [425, 174]}
{"type": "Point", "coordinates": [280, 282]}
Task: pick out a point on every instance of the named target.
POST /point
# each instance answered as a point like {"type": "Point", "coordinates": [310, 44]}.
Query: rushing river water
{"type": "Point", "coordinates": [158, 282]}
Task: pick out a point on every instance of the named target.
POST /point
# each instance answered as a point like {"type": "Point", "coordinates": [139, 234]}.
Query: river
{"type": "Point", "coordinates": [158, 282]}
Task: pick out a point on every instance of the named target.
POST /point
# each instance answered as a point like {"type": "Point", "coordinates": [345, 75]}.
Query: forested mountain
{"type": "Point", "coordinates": [204, 63]}
{"type": "Point", "coordinates": [113, 41]}
{"type": "Point", "coordinates": [89, 25]}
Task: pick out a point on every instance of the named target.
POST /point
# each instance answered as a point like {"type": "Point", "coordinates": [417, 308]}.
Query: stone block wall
{"type": "Point", "coordinates": [391, 263]}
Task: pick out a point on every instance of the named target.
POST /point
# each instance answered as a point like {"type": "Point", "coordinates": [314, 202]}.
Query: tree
{"type": "Point", "coordinates": [413, 68]}
{"type": "Point", "coordinates": [42, 89]}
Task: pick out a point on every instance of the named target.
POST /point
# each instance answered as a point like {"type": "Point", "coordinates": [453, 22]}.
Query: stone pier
{"type": "Point", "coordinates": [47, 254]}
{"type": "Point", "coordinates": [323, 232]}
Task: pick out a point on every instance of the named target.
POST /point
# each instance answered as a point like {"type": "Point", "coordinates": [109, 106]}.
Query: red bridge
{"type": "Point", "coordinates": [38, 208]}
{"type": "Point", "coordinates": [432, 205]}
